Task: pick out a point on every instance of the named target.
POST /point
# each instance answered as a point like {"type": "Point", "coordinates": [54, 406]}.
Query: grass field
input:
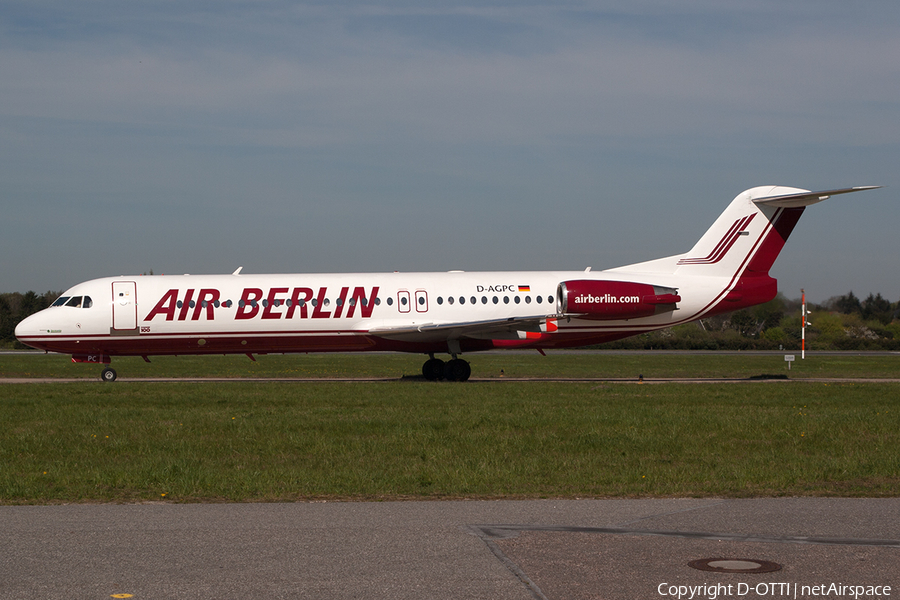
{"type": "Point", "coordinates": [284, 441]}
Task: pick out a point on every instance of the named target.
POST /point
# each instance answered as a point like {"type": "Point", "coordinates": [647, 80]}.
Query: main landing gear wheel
{"type": "Point", "coordinates": [108, 374]}
{"type": "Point", "coordinates": [457, 370]}
{"type": "Point", "coordinates": [433, 369]}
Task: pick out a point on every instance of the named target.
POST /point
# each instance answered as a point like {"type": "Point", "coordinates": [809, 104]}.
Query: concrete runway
{"type": "Point", "coordinates": [557, 549]}
{"type": "Point", "coordinates": [473, 380]}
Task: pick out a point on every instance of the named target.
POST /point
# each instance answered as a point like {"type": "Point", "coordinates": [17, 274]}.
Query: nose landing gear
{"type": "Point", "coordinates": [108, 374]}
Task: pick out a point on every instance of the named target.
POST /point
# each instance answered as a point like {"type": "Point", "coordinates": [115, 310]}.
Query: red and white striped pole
{"type": "Point", "coordinates": [803, 328]}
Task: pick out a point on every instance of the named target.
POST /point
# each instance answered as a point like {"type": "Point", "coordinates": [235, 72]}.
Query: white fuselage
{"type": "Point", "coordinates": [453, 312]}
{"type": "Point", "coordinates": [151, 315]}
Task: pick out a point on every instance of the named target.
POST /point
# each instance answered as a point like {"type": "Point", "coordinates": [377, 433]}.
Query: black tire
{"type": "Point", "coordinates": [457, 370]}
{"type": "Point", "coordinates": [108, 374]}
{"type": "Point", "coordinates": [433, 369]}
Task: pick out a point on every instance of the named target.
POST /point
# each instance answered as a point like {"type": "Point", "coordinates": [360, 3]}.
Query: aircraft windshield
{"type": "Point", "coordinates": [74, 301]}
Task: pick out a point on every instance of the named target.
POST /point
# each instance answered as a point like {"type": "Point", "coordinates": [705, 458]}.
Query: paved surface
{"type": "Point", "coordinates": [468, 549]}
{"type": "Point", "coordinates": [647, 380]}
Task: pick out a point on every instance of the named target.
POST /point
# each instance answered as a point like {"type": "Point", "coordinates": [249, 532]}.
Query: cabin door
{"type": "Point", "coordinates": [124, 305]}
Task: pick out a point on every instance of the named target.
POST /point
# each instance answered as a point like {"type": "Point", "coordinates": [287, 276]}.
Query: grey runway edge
{"type": "Point", "coordinates": [506, 549]}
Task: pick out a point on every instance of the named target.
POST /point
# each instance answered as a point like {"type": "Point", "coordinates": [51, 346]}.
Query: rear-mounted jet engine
{"type": "Point", "coordinates": [614, 300]}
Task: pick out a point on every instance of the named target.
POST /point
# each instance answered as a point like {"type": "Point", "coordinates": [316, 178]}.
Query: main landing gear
{"type": "Point", "coordinates": [456, 369]}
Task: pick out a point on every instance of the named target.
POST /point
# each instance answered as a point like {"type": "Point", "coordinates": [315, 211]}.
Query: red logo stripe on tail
{"type": "Point", "coordinates": [724, 245]}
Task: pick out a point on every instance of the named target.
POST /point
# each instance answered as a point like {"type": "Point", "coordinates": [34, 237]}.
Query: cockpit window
{"type": "Point", "coordinates": [74, 301]}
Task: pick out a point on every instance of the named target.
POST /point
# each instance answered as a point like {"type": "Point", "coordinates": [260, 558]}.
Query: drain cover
{"type": "Point", "coordinates": [734, 565]}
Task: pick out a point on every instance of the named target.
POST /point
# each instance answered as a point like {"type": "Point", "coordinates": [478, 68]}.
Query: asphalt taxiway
{"type": "Point", "coordinates": [454, 549]}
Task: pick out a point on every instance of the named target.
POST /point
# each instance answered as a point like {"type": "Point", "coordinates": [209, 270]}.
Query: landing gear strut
{"type": "Point", "coordinates": [108, 374]}
{"type": "Point", "coordinates": [456, 369]}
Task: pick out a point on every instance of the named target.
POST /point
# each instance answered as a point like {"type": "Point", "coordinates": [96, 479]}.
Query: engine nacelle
{"type": "Point", "coordinates": [613, 300]}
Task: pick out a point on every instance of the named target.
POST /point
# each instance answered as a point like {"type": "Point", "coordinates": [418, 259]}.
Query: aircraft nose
{"type": "Point", "coordinates": [24, 326]}
{"type": "Point", "coordinates": [31, 325]}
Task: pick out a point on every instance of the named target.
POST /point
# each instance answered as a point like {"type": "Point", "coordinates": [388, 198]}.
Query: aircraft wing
{"type": "Point", "coordinates": [489, 328]}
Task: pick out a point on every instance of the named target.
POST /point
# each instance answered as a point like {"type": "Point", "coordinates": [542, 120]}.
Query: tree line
{"type": "Point", "coordinates": [841, 323]}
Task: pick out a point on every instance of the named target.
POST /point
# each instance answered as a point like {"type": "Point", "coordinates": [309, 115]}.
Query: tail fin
{"type": "Point", "coordinates": [750, 234]}
{"type": "Point", "coordinates": [746, 230]}
{"type": "Point", "coordinates": [746, 239]}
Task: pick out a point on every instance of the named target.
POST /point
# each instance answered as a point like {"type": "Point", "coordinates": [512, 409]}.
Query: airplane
{"type": "Point", "coordinates": [429, 313]}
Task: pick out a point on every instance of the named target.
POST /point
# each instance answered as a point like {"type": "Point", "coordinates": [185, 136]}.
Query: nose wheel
{"type": "Point", "coordinates": [457, 369]}
{"type": "Point", "coordinates": [108, 374]}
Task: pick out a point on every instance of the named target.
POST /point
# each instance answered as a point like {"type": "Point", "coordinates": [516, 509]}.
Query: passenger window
{"type": "Point", "coordinates": [518, 299]}
{"type": "Point", "coordinates": [540, 299]}
{"type": "Point", "coordinates": [449, 299]}
{"type": "Point", "coordinates": [505, 299]}
{"type": "Point", "coordinates": [527, 299]}
{"type": "Point", "coordinates": [472, 299]}
{"type": "Point", "coordinates": [484, 299]}
{"type": "Point", "coordinates": [495, 300]}
{"type": "Point", "coordinates": [440, 300]}
{"type": "Point", "coordinates": [390, 301]}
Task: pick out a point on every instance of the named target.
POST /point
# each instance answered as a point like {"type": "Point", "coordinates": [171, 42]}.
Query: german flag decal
{"type": "Point", "coordinates": [524, 288]}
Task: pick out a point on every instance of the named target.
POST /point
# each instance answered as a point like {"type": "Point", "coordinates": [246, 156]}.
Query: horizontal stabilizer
{"type": "Point", "coordinates": [807, 198]}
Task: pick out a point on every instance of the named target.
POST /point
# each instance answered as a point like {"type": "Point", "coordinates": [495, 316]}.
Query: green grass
{"type": "Point", "coordinates": [256, 441]}
{"type": "Point", "coordinates": [512, 364]}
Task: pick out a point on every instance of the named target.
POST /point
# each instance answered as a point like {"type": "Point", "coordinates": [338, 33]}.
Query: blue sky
{"type": "Point", "coordinates": [196, 137]}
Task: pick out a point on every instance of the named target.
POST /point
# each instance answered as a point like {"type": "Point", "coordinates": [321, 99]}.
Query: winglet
{"type": "Point", "coordinates": [237, 271]}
